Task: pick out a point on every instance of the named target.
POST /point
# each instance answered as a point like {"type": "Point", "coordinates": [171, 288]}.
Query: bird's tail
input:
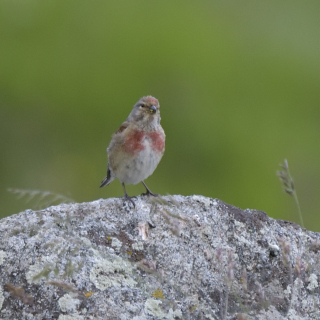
{"type": "Point", "coordinates": [107, 180]}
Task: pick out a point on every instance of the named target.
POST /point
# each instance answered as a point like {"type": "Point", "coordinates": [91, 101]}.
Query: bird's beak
{"type": "Point", "coordinates": [153, 109]}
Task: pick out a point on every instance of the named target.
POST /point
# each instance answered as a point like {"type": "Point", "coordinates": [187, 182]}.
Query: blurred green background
{"type": "Point", "coordinates": [238, 83]}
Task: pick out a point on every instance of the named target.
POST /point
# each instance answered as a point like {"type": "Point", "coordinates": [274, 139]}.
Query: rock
{"type": "Point", "coordinates": [169, 258]}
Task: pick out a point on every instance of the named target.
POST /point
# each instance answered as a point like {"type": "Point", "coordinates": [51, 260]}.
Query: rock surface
{"type": "Point", "coordinates": [170, 258]}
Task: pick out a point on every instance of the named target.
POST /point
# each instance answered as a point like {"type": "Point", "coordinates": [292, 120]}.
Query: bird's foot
{"type": "Point", "coordinates": [128, 198]}
{"type": "Point", "coordinates": [149, 193]}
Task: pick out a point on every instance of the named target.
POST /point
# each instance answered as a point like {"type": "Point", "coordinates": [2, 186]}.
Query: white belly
{"type": "Point", "coordinates": [134, 169]}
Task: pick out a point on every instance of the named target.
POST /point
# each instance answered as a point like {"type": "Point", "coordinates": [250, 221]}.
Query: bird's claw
{"type": "Point", "coordinates": [149, 193]}
{"type": "Point", "coordinates": [127, 198]}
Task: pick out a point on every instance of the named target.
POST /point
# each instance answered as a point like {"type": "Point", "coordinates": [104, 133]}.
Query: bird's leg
{"type": "Point", "coordinates": [148, 192]}
{"type": "Point", "coordinates": [126, 197]}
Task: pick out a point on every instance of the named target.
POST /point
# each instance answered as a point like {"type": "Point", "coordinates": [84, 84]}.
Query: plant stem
{"type": "Point", "coordinates": [295, 197]}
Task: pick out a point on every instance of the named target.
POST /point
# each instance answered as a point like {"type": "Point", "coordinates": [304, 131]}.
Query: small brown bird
{"type": "Point", "coordinates": [137, 147]}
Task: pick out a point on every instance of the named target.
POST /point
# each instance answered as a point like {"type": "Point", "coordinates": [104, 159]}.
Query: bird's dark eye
{"type": "Point", "coordinates": [142, 105]}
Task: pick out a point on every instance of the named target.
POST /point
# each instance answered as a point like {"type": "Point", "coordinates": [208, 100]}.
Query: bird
{"type": "Point", "coordinates": [137, 147]}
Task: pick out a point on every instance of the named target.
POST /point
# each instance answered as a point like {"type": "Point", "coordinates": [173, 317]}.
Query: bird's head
{"type": "Point", "coordinates": [146, 111]}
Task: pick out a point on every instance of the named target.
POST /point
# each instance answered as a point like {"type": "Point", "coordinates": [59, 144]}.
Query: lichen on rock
{"type": "Point", "coordinates": [172, 257]}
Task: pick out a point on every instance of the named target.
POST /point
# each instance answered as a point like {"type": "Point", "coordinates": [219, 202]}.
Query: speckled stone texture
{"type": "Point", "coordinates": [169, 258]}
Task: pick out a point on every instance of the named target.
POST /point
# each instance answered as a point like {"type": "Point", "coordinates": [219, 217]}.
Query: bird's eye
{"type": "Point", "coordinates": [141, 105]}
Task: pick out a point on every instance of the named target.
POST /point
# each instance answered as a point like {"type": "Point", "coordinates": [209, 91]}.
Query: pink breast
{"type": "Point", "coordinates": [133, 143]}
{"type": "Point", "coordinates": [157, 139]}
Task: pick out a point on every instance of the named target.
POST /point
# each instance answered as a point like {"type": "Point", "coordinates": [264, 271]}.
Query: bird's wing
{"type": "Point", "coordinates": [122, 127]}
{"type": "Point", "coordinates": [118, 137]}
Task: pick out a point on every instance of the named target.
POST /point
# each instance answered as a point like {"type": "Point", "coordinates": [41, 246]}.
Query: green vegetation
{"type": "Point", "coordinates": [238, 84]}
